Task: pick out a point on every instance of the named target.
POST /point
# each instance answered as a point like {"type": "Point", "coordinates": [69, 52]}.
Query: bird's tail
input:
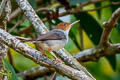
{"type": "Point", "coordinates": [29, 40]}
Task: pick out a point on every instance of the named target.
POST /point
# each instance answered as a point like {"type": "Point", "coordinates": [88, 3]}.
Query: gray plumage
{"type": "Point", "coordinates": [55, 34]}
{"type": "Point", "coordinates": [54, 40]}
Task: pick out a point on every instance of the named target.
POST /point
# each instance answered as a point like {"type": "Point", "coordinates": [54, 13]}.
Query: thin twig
{"type": "Point", "coordinates": [17, 23]}
{"type": "Point", "coordinates": [45, 77]}
{"type": "Point", "coordinates": [79, 9]}
{"type": "Point", "coordinates": [91, 2]}
{"type": "Point", "coordinates": [34, 72]}
{"type": "Point", "coordinates": [15, 13]}
{"type": "Point", "coordinates": [108, 27]}
{"type": "Point", "coordinates": [2, 6]}
{"type": "Point", "coordinates": [53, 76]}
{"type": "Point", "coordinates": [94, 54]}
{"type": "Point", "coordinates": [8, 10]}
{"type": "Point", "coordinates": [26, 30]}
{"type": "Point", "coordinates": [23, 39]}
{"type": "Point", "coordinates": [112, 3]}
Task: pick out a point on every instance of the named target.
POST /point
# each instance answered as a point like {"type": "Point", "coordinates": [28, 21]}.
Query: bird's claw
{"type": "Point", "coordinates": [58, 61]}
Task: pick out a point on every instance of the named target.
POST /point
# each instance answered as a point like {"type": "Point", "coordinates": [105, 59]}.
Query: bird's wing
{"type": "Point", "coordinates": [52, 35]}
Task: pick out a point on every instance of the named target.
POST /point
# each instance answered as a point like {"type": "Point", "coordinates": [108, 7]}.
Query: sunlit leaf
{"type": "Point", "coordinates": [112, 61]}
{"type": "Point", "coordinates": [90, 26]}
{"type": "Point", "coordinates": [74, 2]}
{"type": "Point", "coordinates": [106, 13]}
{"type": "Point", "coordinates": [11, 73]}
{"type": "Point", "coordinates": [99, 10]}
{"type": "Point", "coordinates": [114, 36]}
{"type": "Point", "coordinates": [23, 64]}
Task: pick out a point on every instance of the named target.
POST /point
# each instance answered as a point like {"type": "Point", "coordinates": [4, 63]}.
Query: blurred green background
{"type": "Point", "coordinates": [88, 30]}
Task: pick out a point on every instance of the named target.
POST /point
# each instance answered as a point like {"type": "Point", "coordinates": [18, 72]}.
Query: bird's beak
{"type": "Point", "coordinates": [67, 31]}
{"type": "Point", "coordinates": [74, 22]}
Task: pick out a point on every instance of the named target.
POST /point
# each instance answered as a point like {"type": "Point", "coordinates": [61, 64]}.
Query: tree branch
{"type": "Point", "coordinates": [32, 16]}
{"type": "Point", "coordinates": [94, 54]}
{"type": "Point", "coordinates": [35, 72]}
{"type": "Point", "coordinates": [91, 2]}
{"type": "Point", "coordinates": [15, 13]}
{"type": "Point", "coordinates": [104, 47]}
{"type": "Point", "coordinates": [17, 23]}
{"type": "Point", "coordinates": [2, 6]}
{"type": "Point", "coordinates": [8, 10]}
{"type": "Point", "coordinates": [108, 27]}
{"type": "Point", "coordinates": [108, 5]}
{"type": "Point", "coordinates": [41, 59]}
{"type": "Point", "coordinates": [41, 29]}
{"type": "Point", "coordinates": [3, 53]}
{"type": "Point", "coordinates": [79, 9]}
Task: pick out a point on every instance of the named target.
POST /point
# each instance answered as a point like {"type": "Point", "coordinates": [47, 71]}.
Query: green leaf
{"type": "Point", "coordinates": [114, 38]}
{"type": "Point", "coordinates": [99, 10]}
{"type": "Point", "coordinates": [72, 35]}
{"type": "Point", "coordinates": [2, 73]}
{"type": "Point", "coordinates": [33, 3]}
{"type": "Point", "coordinates": [25, 23]}
{"type": "Point", "coordinates": [41, 14]}
{"type": "Point", "coordinates": [90, 26]}
{"type": "Point", "coordinates": [106, 13]}
{"type": "Point", "coordinates": [112, 61]}
{"type": "Point", "coordinates": [11, 73]}
{"type": "Point", "coordinates": [74, 2]}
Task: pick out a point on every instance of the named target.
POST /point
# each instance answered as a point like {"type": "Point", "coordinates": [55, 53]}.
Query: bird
{"type": "Point", "coordinates": [55, 39]}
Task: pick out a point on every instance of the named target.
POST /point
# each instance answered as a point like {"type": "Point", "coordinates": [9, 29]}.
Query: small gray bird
{"type": "Point", "coordinates": [56, 38]}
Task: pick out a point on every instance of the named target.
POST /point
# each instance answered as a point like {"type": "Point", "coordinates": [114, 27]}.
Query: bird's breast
{"type": "Point", "coordinates": [54, 45]}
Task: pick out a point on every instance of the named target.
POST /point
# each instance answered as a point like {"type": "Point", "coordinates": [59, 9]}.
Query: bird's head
{"type": "Point", "coordinates": [65, 26]}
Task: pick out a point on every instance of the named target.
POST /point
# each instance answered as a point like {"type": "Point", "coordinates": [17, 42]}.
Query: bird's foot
{"type": "Point", "coordinates": [43, 53]}
{"type": "Point", "coordinates": [58, 61]}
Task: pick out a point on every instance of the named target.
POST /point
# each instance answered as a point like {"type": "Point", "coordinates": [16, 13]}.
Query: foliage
{"type": "Point", "coordinates": [10, 71]}
{"type": "Point", "coordinates": [90, 25]}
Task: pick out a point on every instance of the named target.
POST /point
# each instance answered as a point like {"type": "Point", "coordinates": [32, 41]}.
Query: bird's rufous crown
{"type": "Point", "coordinates": [65, 25]}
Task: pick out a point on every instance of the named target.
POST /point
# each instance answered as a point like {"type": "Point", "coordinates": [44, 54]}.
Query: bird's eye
{"type": "Point", "coordinates": [64, 24]}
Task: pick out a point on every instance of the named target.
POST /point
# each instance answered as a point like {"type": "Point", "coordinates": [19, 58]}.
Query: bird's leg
{"type": "Point", "coordinates": [42, 51]}
{"type": "Point", "coordinates": [57, 60]}
{"type": "Point", "coordinates": [50, 51]}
